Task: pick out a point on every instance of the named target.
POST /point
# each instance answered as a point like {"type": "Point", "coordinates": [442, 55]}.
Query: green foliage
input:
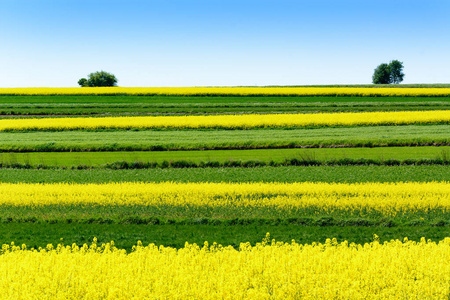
{"type": "Point", "coordinates": [228, 158]}
{"type": "Point", "coordinates": [382, 74]}
{"type": "Point", "coordinates": [100, 78]}
{"type": "Point", "coordinates": [388, 73]}
{"type": "Point", "coordinates": [202, 215]}
{"type": "Point", "coordinates": [16, 106]}
{"type": "Point", "coordinates": [396, 71]}
{"type": "Point", "coordinates": [83, 82]}
{"type": "Point", "coordinates": [159, 140]}
{"type": "Point", "coordinates": [342, 174]}
{"type": "Point", "coordinates": [190, 102]}
{"type": "Point", "coordinates": [126, 235]}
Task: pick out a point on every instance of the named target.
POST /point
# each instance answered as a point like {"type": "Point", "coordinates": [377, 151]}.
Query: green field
{"type": "Point", "coordinates": [180, 101]}
{"type": "Point", "coordinates": [121, 140]}
{"type": "Point", "coordinates": [126, 235]}
{"type": "Point", "coordinates": [344, 174]}
{"type": "Point", "coordinates": [35, 106]}
{"type": "Point", "coordinates": [205, 157]}
{"type": "Point", "coordinates": [412, 153]}
{"type": "Point", "coordinates": [225, 215]}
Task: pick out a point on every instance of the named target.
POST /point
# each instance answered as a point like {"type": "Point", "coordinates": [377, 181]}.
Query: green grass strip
{"type": "Point", "coordinates": [224, 139]}
{"type": "Point", "coordinates": [228, 215]}
{"type": "Point", "coordinates": [343, 174]}
{"type": "Point", "coordinates": [231, 158]}
{"type": "Point", "coordinates": [90, 110]}
{"type": "Point", "coordinates": [126, 235]}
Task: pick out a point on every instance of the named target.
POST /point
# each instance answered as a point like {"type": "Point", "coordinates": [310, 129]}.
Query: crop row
{"type": "Point", "coordinates": [156, 140]}
{"type": "Point", "coordinates": [342, 174]}
{"type": "Point", "coordinates": [386, 198]}
{"type": "Point", "coordinates": [15, 106]}
{"type": "Point", "coordinates": [270, 269]}
{"type": "Point", "coordinates": [228, 158]}
{"type": "Point", "coordinates": [233, 91]}
{"type": "Point", "coordinates": [231, 121]}
{"type": "Point", "coordinates": [226, 232]}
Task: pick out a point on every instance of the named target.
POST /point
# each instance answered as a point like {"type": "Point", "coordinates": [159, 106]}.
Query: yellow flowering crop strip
{"type": "Point", "coordinates": [269, 270]}
{"type": "Point", "coordinates": [388, 198]}
{"type": "Point", "coordinates": [233, 91]}
{"type": "Point", "coordinates": [231, 121]}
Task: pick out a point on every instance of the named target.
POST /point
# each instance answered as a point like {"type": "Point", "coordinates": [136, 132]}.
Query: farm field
{"type": "Point", "coordinates": [289, 174]}
{"type": "Point", "coordinates": [56, 106]}
{"type": "Point", "coordinates": [199, 203]}
{"type": "Point", "coordinates": [153, 271]}
{"type": "Point", "coordinates": [230, 122]}
{"type": "Point", "coordinates": [226, 165]}
{"type": "Point", "coordinates": [231, 158]}
{"type": "Point", "coordinates": [148, 140]}
{"type": "Point", "coordinates": [287, 91]}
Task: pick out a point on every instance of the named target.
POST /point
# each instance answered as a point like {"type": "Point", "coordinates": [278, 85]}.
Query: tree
{"type": "Point", "coordinates": [83, 82]}
{"type": "Point", "coordinates": [396, 68]}
{"type": "Point", "coordinates": [382, 74]}
{"type": "Point", "coordinates": [101, 78]}
{"type": "Point", "coordinates": [388, 73]}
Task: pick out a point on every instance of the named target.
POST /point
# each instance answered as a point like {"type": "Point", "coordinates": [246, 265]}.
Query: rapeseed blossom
{"type": "Point", "coordinates": [386, 198]}
{"type": "Point", "coordinates": [230, 121]}
{"type": "Point", "coordinates": [233, 91]}
{"type": "Point", "coordinates": [268, 270]}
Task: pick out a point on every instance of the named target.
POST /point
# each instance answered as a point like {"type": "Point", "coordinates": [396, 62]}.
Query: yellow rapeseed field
{"type": "Point", "coordinates": [234, 91]}
{"type": "Point", "coordinates": [269, 270]}
{"type": "Point", "coordinates": [388, 198]}
{"type": "Point", "coordinates": [231, 121]}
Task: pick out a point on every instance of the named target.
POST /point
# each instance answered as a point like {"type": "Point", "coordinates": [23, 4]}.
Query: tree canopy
{"type": "Point", "coordinates": [388, 73]}
{"type": "Point", "coordinates": [101, 78]}
{"type": "Point", "coordinates": [382, 74]}
{"type": "Point", "coordinates": [396, 69]}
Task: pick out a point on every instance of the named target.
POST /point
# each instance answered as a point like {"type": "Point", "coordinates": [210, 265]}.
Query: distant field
{"type": "Point", "coordinates": [237, 91]}
{"type": "Point", "coordinates": [120, 105]}
{"type": "Point", "coordinates": [223, 139]}
{"type": "Point", "coordinates": [324, 155]}
{"type": "Point", "coordinates": [136, 109]}
{"type": "Point", "coordinates": [230, 122]}
{"type": "Point", "coordinates": [91, 101]}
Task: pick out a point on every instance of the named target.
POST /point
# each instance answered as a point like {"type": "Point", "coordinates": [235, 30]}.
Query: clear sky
{"type": "Point", "coordinates": [47, 43]}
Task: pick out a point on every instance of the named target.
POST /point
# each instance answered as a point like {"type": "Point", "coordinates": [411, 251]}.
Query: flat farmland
{"type": "Point", "coordinates": [144, 140]}
{"type": "Point", "coordinates": [131, 184]}
{"type": "Point", "coordinates": [289, 174]}
{"type": "Point", "coordinates": [391, 148]}
{"type": "Point", "coordinates": [45, 106]}
{"type": "Point", "coordinates": [223, 158]}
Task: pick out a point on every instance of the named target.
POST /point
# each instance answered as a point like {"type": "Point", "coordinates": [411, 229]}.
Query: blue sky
{"type": "Point", "coordinates": [221, 43]}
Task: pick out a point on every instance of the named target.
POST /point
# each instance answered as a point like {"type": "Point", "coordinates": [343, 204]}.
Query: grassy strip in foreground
{"type": "Point", "coordinates": [264, 174]}
{"type": "Point", "coordinates": [155, 140]}
{"type": "Point", "coordinates": [126, 235]}
{"type": "Point", "coordinates": [220, 158]}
